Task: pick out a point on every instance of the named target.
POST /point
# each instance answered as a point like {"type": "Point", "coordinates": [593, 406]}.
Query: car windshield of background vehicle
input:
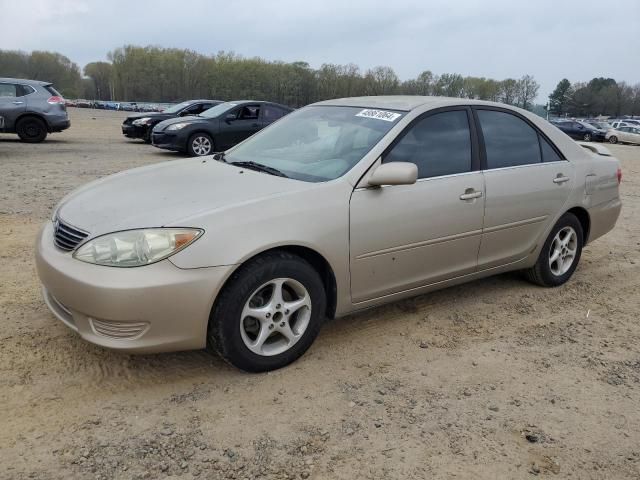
{"type": "Point", "coordinates": [218, 110]}
{"type": "Point", "coordinates": [318, 143]}
{"type": "Point", "coordinates": [177, 108]}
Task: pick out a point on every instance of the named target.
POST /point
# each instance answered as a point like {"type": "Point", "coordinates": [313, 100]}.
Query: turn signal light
{"type": "Point", "coordinates": [619, 175]}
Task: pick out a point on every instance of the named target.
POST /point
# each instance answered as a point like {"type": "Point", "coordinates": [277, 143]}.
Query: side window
{"type": "Point", "coordinates": [23, 90]}
{"type": "Point", "coordinates": [8, 90]}
{"type": "Point", "coordinates": [549, 154]}
{"type": "Point", "coordinates": [439, 144]}
{"type": "Point", "coordinates": [271, 113]}
{"type": "Point", "coordinates": [194, 109]}
{"type": "Point", "coordinates": [249, 112]}
{"type": "Point", "coordinates": [509, 141]}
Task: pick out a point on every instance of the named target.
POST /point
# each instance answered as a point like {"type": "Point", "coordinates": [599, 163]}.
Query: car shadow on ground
{"type": "Point", "coordinates": [202, 365]}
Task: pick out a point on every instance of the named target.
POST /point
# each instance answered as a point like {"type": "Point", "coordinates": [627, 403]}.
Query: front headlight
{"type": "Point", "coordinates": [134, 248]}
{"type": "Point", "coordinates": [141, 121]}
{"type": "Point", "coordinates": [177, 126]}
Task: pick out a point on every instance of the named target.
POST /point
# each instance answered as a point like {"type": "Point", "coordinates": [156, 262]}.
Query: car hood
{"type": "Point", "coordinates": [189, 118]}
{"type": "Point", "coordinates": [150, 114]}
{"type": "Point", "coordinates": [167, 193]}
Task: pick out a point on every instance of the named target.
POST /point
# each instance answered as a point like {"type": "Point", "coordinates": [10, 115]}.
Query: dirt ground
{"type": "Point", "coordinates": [493, 379]}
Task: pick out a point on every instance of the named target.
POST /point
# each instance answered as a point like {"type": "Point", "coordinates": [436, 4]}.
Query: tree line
{"type": "Point", "coordinates": [599, 96]}
{"type": "Point", "coordinates": [155, 74]}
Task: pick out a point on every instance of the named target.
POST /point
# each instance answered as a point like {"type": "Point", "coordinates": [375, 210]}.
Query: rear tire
{"type": "Point", "coordinates": [268, 314]}
{"type": "Point", "coordinates": [560, 253]}
{"type": "Point", "coordinates": [613, 139]}
{"type": "Point", "coordinates": [200, 145]}
{"type": "Point", "coordinates": [31, 130]}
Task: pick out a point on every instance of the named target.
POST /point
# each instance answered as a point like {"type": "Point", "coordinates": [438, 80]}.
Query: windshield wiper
{"type": "Point", "coordinates": [261, 168]}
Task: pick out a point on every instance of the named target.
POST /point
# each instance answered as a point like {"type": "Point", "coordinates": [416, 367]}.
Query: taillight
{"type": "Point", "coordinates": [619, 175]}
{"type": "Point", "coordinates": [55, 99]}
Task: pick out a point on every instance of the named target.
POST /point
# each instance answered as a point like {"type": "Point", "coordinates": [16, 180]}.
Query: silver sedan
{"type": "Point", "coordinates": [340, 206]}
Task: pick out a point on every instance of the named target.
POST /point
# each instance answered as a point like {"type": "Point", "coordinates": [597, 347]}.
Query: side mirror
{"type": "Point", "coordinates": [394, 173]}
{"type": "Point", "coordinates": [230, 117]}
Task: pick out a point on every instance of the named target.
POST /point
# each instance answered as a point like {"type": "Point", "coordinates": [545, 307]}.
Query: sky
{"type": "Point", "coordinates": [549, 39]}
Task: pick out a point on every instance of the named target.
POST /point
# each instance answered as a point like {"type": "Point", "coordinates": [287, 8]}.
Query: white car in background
{"type": "Point", "coordinates": [624, 123]}
{"type": "Point", "coordinates": [624, 135]}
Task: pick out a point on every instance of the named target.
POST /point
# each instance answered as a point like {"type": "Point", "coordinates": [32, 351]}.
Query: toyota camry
{"type": "Point", "coordinates": [339, 206]}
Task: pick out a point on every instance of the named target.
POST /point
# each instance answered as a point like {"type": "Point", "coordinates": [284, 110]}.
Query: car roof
{"type": "Point", "coordinates": [24, 80]}
{"type": "Point", "coordinates": [407, 103]}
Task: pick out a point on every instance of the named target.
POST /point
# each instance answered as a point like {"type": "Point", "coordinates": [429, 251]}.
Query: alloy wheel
{"type": "Point", "coordinates": [563, 251]}
{"type": "Point", "coordinates": [201, 145]}
{"type": "Point", "coordinates": [275, 317]}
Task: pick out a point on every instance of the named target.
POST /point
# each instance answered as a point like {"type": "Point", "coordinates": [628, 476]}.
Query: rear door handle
{"type": "Point", "coordinates": [17, 103]}
{"type": "Point", "coordinates": [470, 194]}
{"type": "Point", "coordinates": [561, 179]}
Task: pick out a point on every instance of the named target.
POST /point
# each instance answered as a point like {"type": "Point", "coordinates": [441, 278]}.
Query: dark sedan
{"type": "Point", "coordinates": [580, 130]}
{"type": "Point", "coordinates": [141, 125]}
{"type": "Point", "coordinates": [217, 129]}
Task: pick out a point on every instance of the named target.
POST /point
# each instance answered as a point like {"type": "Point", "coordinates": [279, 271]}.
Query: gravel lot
{"type": "Point", "coordinates": [493, 379]}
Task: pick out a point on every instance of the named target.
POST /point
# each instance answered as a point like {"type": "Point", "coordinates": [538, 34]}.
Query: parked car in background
{"type": "Point", "coordinates": [340, 206]}
{"type": "Point", "coordinates": [141, 125]}
{"type": "Point", "coordinates": [32, 109]}
{"type": "Point", "coordinates": [624, 135]}
{"type": "Point", "coordinates": [217, 129]}
{"type": "Point", "coordinates": [623, 123]}
{"type": "Point", "coordinates": [580, 130]}
{"type": "Point", "coordinates": [600, 125]}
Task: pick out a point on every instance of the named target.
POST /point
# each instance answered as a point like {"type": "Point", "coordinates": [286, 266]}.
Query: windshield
{"type": "Point", "coordinates": [177, 108]}
{"type": "Point", "coordinates": [317, 143]}
{"type": "Point", "coordinates": [218, 110]}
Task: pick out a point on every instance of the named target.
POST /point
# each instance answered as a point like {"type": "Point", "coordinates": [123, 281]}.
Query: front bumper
{"type": "Point", "coordinates": [168, 141]}
{"type": "Point", "coordinates": [155, 308]}
{"type": "Point", "coordinates": [134, 131]}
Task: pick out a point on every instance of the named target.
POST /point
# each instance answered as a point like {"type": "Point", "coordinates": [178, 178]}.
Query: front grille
{"type": "Point", "coordinates": [67, 237]}
{"type": "Point", "coordinates": [119, 330]}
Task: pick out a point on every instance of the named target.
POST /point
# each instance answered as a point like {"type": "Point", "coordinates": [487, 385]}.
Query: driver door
{"type": "Point", "coordinates": [239, 124]}
{"type": "Point", "coordinates": [407, 236]}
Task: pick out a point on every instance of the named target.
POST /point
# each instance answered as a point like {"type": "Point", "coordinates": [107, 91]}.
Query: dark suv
{"type": "Point", "coordinates": [31, 108]}
{"type": "Point", "coordinates": [141, 125]}
{"type": "Point", "coordinates": [217, 129]}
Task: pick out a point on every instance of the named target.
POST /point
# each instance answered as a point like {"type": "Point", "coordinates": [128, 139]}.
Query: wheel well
{"type": "Point", "coordinates": [33, 115]}
{"type": "Point", "coordinates": [320, 264]}
{"type": "Point", "coordinates": [585, 221]}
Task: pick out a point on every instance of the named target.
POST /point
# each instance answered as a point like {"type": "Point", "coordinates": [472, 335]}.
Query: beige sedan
{"type": "Point", "coordinates": [624, 135]}
{"type": "Point", "coordinates": [340, 206]}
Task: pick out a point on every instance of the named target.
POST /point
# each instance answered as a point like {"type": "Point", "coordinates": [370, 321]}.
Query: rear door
{"type": "Point", "coordinates": [271, 113]}
{"type": "Point", "coordinates": [12, 104]}
{"type": "Point", "coordinates": [527, 183]}
{"type": "Point", "coordinates": [406, 236]}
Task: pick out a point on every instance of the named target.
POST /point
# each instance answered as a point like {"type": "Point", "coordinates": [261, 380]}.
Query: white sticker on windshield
{"type": "Point", "coordinates": [379, 115]}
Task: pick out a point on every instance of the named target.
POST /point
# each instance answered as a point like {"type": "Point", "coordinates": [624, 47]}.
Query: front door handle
{"type": "Point", "coordinates": [560, 179]}
{"type": "Point", "coordinates": [470, 194]}
{"type": "Point", "coordinates": [17, 103]}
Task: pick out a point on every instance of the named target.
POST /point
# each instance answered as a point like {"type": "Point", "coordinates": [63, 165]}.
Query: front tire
{"type": "Point", "coordinates": [560, 253]}
{"type": "Point", "coordinates": [200, 144]}
{"type": "Point", "coordinates": [587, 137]}
{"type": "Point", "coordinates": [268, 314]}
{"type": "Point", "coordinates": [31, 130]}
{"type": "Point", "coordinates": [613, 139]}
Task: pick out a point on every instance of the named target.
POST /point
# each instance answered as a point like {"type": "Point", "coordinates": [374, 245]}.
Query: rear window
{"type": "Point", "coordinates": [52, 90]}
